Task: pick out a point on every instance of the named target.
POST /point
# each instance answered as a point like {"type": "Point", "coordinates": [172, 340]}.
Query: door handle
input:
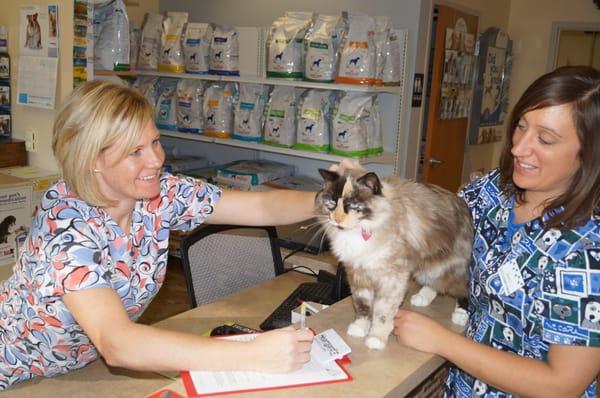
{"type": "Point", "coordinates": [433, 161]}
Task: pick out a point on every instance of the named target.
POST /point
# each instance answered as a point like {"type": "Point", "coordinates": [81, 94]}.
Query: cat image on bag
{"type": "Point", "coordinates": [33, 33]}
{"type": "Point", "coordinates": [386, 231]}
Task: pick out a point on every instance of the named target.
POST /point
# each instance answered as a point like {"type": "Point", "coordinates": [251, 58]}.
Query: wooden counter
{"type": "Point", "coordinates": [393, 372]}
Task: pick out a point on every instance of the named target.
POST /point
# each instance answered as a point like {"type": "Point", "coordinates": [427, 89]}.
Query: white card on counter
{"type": "Point", "coordinates": [511, 277]}
{"type": "Point", "coordinates": [329, 346]}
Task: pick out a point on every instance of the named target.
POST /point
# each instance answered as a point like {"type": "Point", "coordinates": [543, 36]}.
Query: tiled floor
{"type": "Point", "coordinates": [172, 297]}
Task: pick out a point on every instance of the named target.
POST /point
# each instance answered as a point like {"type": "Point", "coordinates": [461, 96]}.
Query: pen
{"type": "Point", "coordinates": [303, 315]}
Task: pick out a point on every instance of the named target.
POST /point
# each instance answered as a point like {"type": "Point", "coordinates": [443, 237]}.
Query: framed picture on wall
{"type": "Point", "coordinates": [490, 97]}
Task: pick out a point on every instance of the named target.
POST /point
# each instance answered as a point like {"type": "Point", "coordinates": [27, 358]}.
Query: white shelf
{"type": "Point", "coordinates": [385, 158]}
{"type": "Point", "coordinates": [280, 82]}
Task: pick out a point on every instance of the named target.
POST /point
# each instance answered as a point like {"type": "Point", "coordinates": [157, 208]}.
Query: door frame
{"type": "Point", "coordinates": [557, 28]}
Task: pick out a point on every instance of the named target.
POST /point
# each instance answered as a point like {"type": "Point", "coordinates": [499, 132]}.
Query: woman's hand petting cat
{"type": "Point", "coordinates": [282, 350]}
{"type": "Point", "coordinates": [418, 331]}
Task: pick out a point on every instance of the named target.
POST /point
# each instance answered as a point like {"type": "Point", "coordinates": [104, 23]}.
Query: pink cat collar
{"type": "Point", "coordinates": [365, 234]}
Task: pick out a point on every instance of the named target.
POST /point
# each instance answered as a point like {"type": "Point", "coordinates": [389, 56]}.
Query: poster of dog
{"type": "Point", "coordinates": [39, 30]}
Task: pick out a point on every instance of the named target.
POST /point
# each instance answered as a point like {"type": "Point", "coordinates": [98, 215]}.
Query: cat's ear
{"type": "Point", "coordinates": [371, 181]}
{"type": "Point", "coordinates": [329, 175]}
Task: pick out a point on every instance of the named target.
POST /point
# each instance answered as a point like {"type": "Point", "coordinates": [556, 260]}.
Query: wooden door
{"type": "Point", "coordinates": [447, 121]}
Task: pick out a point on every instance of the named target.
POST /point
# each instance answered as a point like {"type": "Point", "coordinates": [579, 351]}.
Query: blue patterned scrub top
{"type": "Point", "coordinates": [72, 246]}
{"type": "Point", "coordinates": [559, 302]}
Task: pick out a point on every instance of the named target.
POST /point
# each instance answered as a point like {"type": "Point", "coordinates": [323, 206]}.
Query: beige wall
{"type": "Point", "coordinates": [40, 120]}
{"type": "Point", "coordinates": [531, 37]}
{"type": "Point", "coordinates": [528, 23]}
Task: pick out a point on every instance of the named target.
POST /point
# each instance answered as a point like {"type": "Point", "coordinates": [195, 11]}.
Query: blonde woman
{"type": "Point", "coordinates": [96, 254]}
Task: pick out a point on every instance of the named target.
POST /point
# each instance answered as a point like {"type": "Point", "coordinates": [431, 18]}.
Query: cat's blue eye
{"type": "Point", "coordinates": [330, 204]}
{"type": "Point", "coordinates": [354, 206]}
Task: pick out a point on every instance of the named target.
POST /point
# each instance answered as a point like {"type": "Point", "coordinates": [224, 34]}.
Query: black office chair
{"type": "Point", "coordinates": [222, 259]}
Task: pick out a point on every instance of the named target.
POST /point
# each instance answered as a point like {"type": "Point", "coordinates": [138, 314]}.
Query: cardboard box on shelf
{"type": "Point", "coordinates": [15, 217]}
{"type": "Point", "coordinates": [39, 179]}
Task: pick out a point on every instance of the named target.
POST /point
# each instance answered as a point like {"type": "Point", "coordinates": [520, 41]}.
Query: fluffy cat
{"type": "Point", "coordinates": [387, 230]}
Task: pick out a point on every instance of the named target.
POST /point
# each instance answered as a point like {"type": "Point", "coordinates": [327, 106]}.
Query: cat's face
{"type": "Point", "coordinates": [347, 198]}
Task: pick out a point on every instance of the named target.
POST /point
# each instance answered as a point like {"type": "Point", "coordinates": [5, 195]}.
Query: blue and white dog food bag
{"type": "Point", "coordinates": [190, 98]}
{"type": "Point", "coordinates": [165, 111]}
{"type": "Point", "coordinates": [196, 47]}
{"type": "Point", "coordinates": [224, 51]}
{"type": "Point", "coordinates": [249, 112]}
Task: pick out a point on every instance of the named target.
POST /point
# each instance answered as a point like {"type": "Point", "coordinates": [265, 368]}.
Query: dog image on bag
{"type": "Point", "coordinates": [33, 38]}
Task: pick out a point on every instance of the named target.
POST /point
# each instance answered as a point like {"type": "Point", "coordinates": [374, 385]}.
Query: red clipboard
{"type": "Point", "coordinates": [192, 392]}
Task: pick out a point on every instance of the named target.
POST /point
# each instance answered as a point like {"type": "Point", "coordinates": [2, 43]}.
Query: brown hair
{"type": "Point", "coordinates": [578, 86]}
{"type": "Point", "coordinates": [93, 117]}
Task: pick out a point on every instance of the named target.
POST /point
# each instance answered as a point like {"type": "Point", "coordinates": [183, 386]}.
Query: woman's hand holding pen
{"type": "Point", "coordinates": [282, 350]}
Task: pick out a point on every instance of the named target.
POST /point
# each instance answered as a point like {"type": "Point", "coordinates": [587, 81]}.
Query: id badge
{"type": "Point", "coordinates": [511, 278]}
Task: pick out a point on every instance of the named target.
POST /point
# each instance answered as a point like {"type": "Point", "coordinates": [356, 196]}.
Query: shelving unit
{"type": "Point", "coordinates": [386, 158]}
{"type": "Point", "coordinates": [390, 111]}
{"type": "Point", "coordinates": [278, 82]}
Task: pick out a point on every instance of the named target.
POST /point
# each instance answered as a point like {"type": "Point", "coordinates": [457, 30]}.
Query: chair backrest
{"type": "Point", "coordinates": [222, 259]}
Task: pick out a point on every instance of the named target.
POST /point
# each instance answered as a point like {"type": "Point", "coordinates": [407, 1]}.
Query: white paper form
{"type": "Point", "coordinates": [311, 373]}
{"type": "Point", "coordinates": [36, 84]}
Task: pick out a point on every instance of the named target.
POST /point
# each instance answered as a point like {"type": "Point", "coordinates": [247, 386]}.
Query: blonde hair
{"type": "Point", "coordinates": [93, 117]}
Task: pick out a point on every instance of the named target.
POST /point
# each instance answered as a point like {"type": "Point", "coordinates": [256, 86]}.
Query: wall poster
{"type": "Point", "coordinates": [455, 102]}
{"type": "Point", "coordinates": [491, 88]}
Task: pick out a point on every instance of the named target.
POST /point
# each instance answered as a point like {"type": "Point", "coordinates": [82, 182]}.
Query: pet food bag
{"type": "Point", "coordinates": [190, 99]}
{"type": "Point", "coordinates": [387, 65]}
{"type": "Point", "coordinates": [321, 46]}
{"type": "Point", "coordinates": [314, 113]}
{"type": "Point", "coordinates": [165, 111]}
{"type": "Point", "coordinates": [390, 74]}
{"type": "Point", "coordinates": [135, 35]}
{"type": "Point", "coordinates": [374, 133]}
{"type": "Point", "coordinates": [350, 125]}
{"type": "Point", "coordinates": [285, 48]}
{"type": "Point", "coordinates": [171, 52]}
{"type": "Point", "coordinates": [196, 47]}
{"type": "Point", "coordinates": [148, 86]}
{"type": "Point", "coordinates": [280, 116]}
{"type": "Point", "coordinates": [218, 109]}
{"type": "Point", "coordinates": [150, 42]}
{"type": "Point", "coordinates": [111, 36]}
{"type": "Point", "coordinates": [357, 54]}
{"type": "Point", "coordinates": [249, 112]}
{"type": "Point", "coordinates": [224, 51]}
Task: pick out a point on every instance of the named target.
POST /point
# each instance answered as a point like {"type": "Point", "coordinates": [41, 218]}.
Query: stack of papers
{"type": "Point", "coordinates": [325, 366]}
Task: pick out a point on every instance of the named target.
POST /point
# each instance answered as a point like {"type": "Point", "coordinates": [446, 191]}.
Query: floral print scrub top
{"type": "Point", "coordinates": [73, 246]}
{"type": "Point", "coordinates": [530, 286]}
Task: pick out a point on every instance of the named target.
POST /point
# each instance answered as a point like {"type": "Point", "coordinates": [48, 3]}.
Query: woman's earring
{"type": "Point", "coordinates": [96, 171]}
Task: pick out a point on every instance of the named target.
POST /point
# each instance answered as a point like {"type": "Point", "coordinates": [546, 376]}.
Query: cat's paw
{"type": "Point", "coordinates": [424, 297]}
{"type": "Point", "coordinates": [460, 316]}
{"type": "Point", "coordinates": [358, 328]}
{"type": "Point", "coordinates": [419, 301]}
{"type": "Point", "coordinates": [375, 343]}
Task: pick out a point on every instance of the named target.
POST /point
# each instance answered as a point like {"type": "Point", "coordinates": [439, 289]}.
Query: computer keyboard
{"type": "Point", "coordinates": [318, 292]}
